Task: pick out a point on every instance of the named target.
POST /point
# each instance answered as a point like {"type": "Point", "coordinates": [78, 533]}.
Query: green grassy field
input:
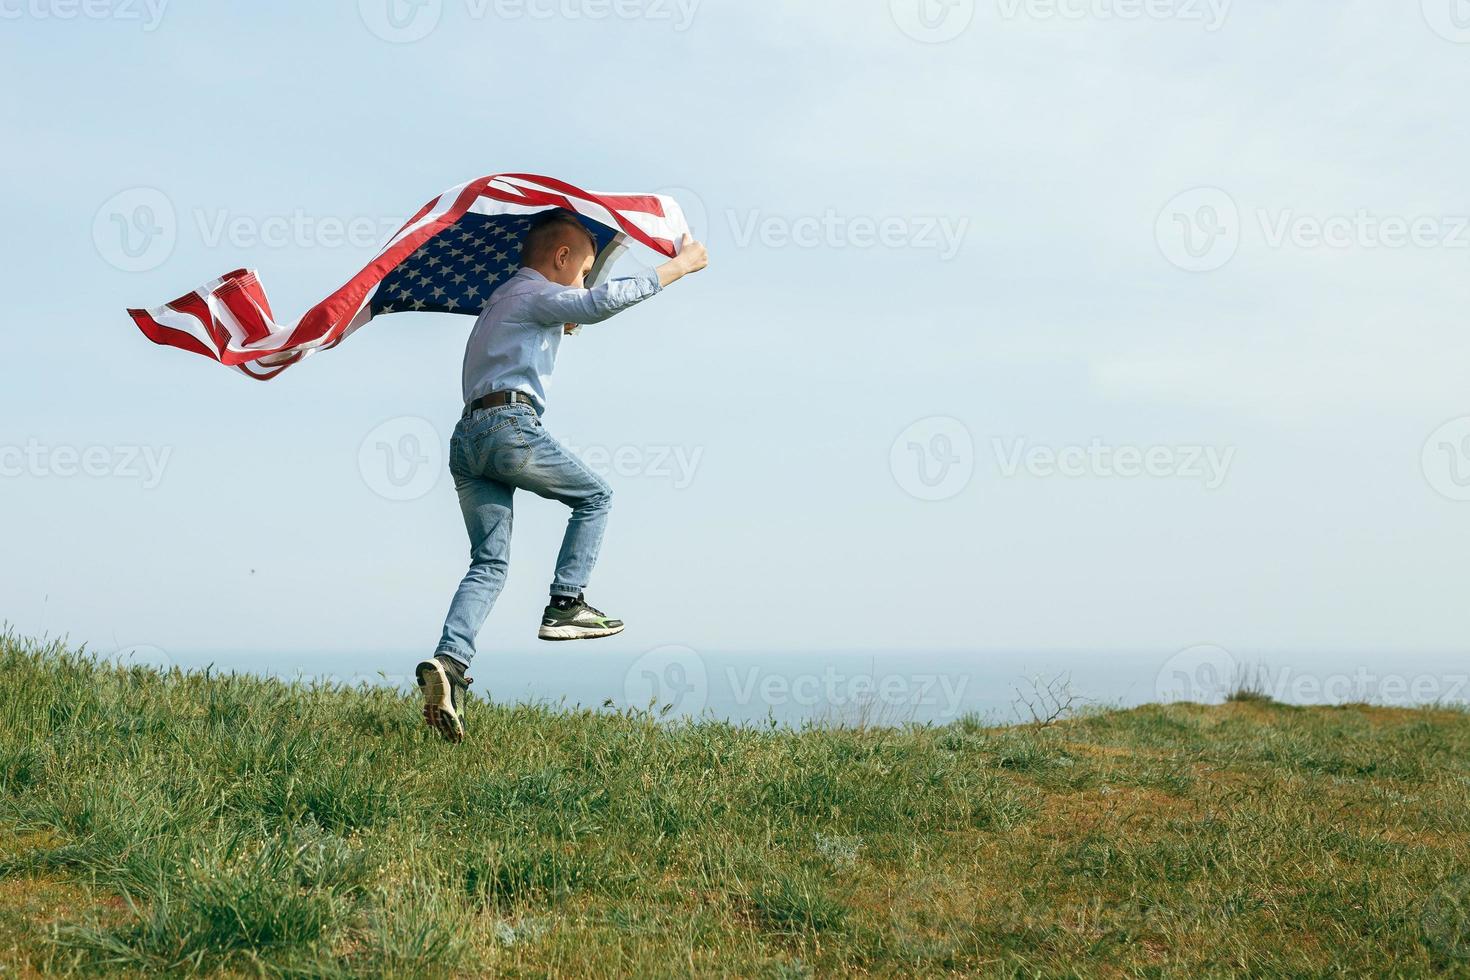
{"type": "Point", "coordinates": [236, 826]}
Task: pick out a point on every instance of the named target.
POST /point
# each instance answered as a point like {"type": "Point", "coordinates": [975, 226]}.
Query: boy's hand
{"type": "Point", "coordinates": [692, 257]}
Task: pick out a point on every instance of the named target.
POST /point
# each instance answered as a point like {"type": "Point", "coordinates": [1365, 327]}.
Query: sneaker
{"type": "Point", "coordinates": [578, 621]}
{"type": "Point", "coordinates": [444, 684]}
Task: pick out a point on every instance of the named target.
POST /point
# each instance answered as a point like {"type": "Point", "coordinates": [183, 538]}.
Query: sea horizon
{"type": "Point", "coordinates": [893, 687]}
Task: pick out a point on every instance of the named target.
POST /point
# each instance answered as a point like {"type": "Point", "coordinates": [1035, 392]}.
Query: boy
{"type": "Point", "coordinates": [500, 445]}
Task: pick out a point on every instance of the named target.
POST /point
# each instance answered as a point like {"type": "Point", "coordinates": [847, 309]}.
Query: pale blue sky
{"type": "Point", "coordinates": [1056, 314]}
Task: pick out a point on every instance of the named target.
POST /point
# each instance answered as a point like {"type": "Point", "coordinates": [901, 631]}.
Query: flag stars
{"type": "Point", "coordinates": [458, 268]}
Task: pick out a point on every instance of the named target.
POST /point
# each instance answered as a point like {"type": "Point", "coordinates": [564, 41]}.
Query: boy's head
{"type": "Point", "coordinates": [559, 247]}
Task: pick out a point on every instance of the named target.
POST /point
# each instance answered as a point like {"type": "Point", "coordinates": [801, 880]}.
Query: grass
{"type": "Point", "coordinates": [225, 825]}
{"type": "Point", "coordinates": [1252, 684]}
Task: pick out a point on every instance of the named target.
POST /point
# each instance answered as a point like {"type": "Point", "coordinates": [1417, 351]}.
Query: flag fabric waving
{"type": "Point", "coordinates": [447, 258]}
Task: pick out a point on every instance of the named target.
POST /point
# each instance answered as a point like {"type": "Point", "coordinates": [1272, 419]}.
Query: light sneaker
{"type": "Point", "coordinates": [444, 684]}
{"type": "Point", "coordinates": [578, 621]}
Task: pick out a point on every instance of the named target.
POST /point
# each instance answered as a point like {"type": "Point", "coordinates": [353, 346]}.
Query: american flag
{"type": "Point", "coordinates": [447, 258]}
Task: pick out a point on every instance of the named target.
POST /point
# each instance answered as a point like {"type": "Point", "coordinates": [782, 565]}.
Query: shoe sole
{"type": "Point", "coordinates": [558, 633]}
{"type": "Point", "coordinates": [439, 711]}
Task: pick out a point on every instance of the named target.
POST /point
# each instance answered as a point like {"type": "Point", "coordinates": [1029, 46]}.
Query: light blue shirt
{"type": "Point", "coordinates": [514, 342]}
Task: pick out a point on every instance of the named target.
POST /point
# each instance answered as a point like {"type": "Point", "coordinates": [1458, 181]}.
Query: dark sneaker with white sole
{"type": "Point", "coordinates": [444, 684]}
{"type": "Point", "coordinates": [577, 621]}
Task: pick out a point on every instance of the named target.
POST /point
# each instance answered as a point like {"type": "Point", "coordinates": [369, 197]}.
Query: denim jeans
{"type": "Point", "coordinates": [493, 453]}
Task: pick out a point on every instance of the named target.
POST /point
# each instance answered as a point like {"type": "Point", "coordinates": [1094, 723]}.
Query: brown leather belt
{"type": "Point", "coordinates": [498, 398]}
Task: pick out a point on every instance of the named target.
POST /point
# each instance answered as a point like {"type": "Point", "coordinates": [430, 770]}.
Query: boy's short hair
{"type": "Point", "coordinates": [551, 230]}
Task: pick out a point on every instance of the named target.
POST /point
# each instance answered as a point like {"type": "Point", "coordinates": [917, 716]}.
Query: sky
{"type": "Point", "coordinates": [1119, 328]}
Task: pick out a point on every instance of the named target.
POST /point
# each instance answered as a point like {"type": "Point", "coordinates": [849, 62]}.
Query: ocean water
{"type": "Point", "coordinates": [891, 687]}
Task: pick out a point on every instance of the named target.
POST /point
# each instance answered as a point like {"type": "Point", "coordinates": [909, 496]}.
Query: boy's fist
{"type": "Point", "coordinates": [691, 258]}
{"type": "Point", "coordinates": [692, 255]}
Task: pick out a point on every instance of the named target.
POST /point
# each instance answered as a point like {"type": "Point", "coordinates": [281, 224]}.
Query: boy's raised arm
{"type": "Point", "coordinates": [571, 305]}
{"type": "Point", "coordinates": [568, 304]}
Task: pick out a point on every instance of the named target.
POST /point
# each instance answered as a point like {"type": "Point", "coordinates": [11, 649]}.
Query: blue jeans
{"type": "Point", "coordinates": [493, 452]}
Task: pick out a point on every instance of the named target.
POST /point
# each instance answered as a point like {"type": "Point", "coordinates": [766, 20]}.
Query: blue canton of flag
{"type": "Point", "coordinates": [458, 269]}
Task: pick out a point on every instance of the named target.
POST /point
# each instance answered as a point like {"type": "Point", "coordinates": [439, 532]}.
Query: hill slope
{"type": "Point", "coordinates": [242, 826]}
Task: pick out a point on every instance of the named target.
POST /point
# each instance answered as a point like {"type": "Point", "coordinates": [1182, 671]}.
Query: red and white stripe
{"type": "Point", "coordinates": [229, 319]}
